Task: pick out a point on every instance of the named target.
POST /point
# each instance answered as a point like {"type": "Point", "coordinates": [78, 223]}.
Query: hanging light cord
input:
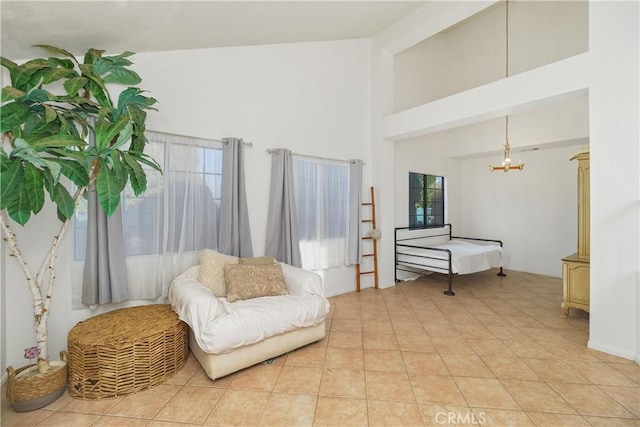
{"type": "Point", "coordinates": [506, 32]}
{"type": "Point", "coordinates": [506, 74]}
{"type": "Point", "coordinates": [506, 164]}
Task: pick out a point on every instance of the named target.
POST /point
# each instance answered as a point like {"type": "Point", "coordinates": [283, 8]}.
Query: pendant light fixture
{"type": "Point", "coordinates": [506, 163]}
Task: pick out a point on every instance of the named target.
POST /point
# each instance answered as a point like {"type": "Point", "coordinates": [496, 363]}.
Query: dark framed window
{"type": "Point", "coordinates": [426, 200]}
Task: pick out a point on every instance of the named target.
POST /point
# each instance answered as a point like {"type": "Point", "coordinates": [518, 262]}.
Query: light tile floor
{"type": "Point", "coordinates": [498, 353]}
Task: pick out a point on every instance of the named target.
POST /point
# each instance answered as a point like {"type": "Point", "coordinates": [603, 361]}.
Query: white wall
{"type": "Point", "coordinates": [313, 98]}
{"type": "Point", "coordinates": [472, 53]}
{"type": "Point", "coordinates": [533, 212]}
{"type": "Point", "coordinates": [424, 155]}
{"type": "Point", "coordinates": [614, 99]}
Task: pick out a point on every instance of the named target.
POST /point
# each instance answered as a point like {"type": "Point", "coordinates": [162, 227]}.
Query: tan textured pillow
{"type": "Point", "coordinates": [258, 260]}
{"type": "Point", "coordinates": [212, 270]}
{"type": "Point", "coordinates": [253, 281]}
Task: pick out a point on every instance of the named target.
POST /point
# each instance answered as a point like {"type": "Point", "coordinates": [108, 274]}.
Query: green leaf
{"type": "Point", "coordinates": [25, 152]}
{"type": "Point", "coordinates": [74, 84]}
{"type": "Point", "coordinates": [120, 60]}
{"type": "Point", "coordinates": [13, 115]}
{"type": "Point", "coordinates": [106, 132]}
{"type": "Point", "coordinates": [19, 144]}
{"type": "Point", "coordinates": [33, 184]}
{"type": "Point", "coordinates": [138, 139]}
{"type": "Point", "coordinates": [57, 141]}
{"type": "Point", "coordinates": [19, 208]}
{"type": "Point", "coordinates": [132, 101]}
{"type": "Point", "coordinates": [136, 174]}
{"type": "Point", "coordinates": [37, 63]}
{"type": "Point", "coordinates": [10, 92]}
{"type": "Point", "coordinates": [36, 125]}
{"type": "Point", "coordinates": [99, 92]}
{"type": "Point", "coordinates": [146, 159]}
{"type": "Point", "coordinates": [38, 96]}
{"type": "Point", "coordinates": [55, 170]}
{"type": "Point", "coordinates": [49, 113]}
{"type": "Point", "coordinates": [124, 136]}
{"type": "Point", "coordinates": [92, 56]}
{"type": "Point", "coordinates": [55, 74]}
{"type": "Point", "coordinates": [61, 197]}
{"type": "Point", "coordinates": [56, 50]}
{"type": "Point", "coordinates": [125, 54]}
{"type": "Point", "coordinates": [108, 189]}
{"type": "Point", "coordinates": [122, 76]}
{"type": "Point", "coordinates": [5, 162]}
{"type": "Point", "coordinates": [101, 66]}
{"type": "Point", "coordinates": [10, 182]}
{"type": "Point", "coordinates": [61, 217]}
{"type": "Point", "coordinates": [77, 156]}
{"type": "Point", "coordinates": [7, 63]}
{"type": "Point", "coordinates": [74, 170]}
{"type": "Point", "coordinates": [20, 77]}
{"type": "Point", "coordinates": [64, 63]}
{"type": "Point", "coordinates": [30, 74]}
{"type": "Point", "coordinates": [118, 169]}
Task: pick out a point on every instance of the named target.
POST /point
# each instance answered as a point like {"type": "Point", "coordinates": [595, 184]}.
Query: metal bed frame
{"type": "Point", "coordinates": [442, 270]}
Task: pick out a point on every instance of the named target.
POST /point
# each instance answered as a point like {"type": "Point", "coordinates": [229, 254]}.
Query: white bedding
{"type": "Point", "coordinates": [220, 326]}
{"type": "Point", "coordinates": [466, 257]}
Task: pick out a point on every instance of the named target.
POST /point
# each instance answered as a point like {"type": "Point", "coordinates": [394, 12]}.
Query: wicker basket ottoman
{"type": "Point", "coordinates": [125, 351]}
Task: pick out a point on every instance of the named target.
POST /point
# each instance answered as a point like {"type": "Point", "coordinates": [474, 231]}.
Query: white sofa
{"type": "Point", "coordinates": [226, 337]}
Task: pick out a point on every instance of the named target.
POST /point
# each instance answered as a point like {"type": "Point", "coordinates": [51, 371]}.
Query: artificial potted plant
{"type": "Point", "coordinates": [44, 150]}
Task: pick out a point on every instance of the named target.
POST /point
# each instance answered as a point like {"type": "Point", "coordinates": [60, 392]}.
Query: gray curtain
{"type": "Point", "coordinates": [234, 236]}
{"type": "Point", "coordinates": [105, 272]}
{"type": "Point", "coordinates": [282, 219]}
{"type": "Point", "coordinates": [354, 252]}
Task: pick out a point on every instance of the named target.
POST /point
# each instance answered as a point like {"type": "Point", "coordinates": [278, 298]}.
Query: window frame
{"type": "Point", "coordinates": [433, 204]}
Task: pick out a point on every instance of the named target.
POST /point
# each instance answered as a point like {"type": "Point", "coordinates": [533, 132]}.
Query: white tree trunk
{"type": "Point", "coordinates": [41, 285]}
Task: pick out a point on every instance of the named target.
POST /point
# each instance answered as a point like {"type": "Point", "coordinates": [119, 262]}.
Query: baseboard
{"type": "Point", "coordinates": [614, 351]}
{"type": "Point", "coordinates": [343, 290]}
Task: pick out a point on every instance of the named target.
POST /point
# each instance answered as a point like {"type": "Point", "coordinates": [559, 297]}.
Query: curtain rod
{"type": "Point", "coordinates": [247, 143]}
{"type": "Point", "coordinates": [275, 151]}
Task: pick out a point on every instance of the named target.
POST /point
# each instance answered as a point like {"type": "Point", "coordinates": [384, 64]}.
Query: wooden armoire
{"type": "Point", "coordinates": [575, 267]}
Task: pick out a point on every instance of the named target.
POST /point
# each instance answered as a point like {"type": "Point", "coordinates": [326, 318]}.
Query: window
{"type": "Point", "coordinates": [322, 203]}
{"type": "Point", "coordinates": [179, 211]}
{"type": "Point", "coordinates": [426, 200]}
{"type": "Point", "coordinates": [166, 227]}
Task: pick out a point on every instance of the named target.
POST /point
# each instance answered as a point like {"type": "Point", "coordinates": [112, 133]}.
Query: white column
{"type": "Point", "coordinates": [614, 97]}
{"type": "Point", "coordinates": [382, 160]}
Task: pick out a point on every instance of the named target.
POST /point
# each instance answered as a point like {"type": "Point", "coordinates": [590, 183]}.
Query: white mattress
{"type": "Point", "coordinates": [466, 257]}
{"type": "Point", "coordinates": [220, 327]}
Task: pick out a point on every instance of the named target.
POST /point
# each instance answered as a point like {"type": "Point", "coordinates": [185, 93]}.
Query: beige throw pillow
{"type": "Point", "coordinates": [258, 260]}
{"type": "Point", "coordinates": [212, 270]}
{"type": "Point", "coordinates": [253, 281]}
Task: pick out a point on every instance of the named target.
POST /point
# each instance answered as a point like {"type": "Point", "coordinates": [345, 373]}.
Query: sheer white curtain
{"type": "Point", "coordinates": [322, 200]}
{"type": "Point", "coordinates": [167, 226]}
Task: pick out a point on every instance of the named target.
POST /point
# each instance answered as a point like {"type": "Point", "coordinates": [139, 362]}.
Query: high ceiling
{"type": "Point", "coordinates": [144, 26]}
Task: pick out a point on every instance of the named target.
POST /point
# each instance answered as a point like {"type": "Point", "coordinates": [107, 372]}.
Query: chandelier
{"type": "Point", "coordinates": [506, 163]}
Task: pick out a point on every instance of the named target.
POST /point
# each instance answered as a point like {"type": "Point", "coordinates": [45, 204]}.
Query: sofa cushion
{"type": "Point", "coordinates": [245, 281]}
{"type": "Point", "coordinates": [258, 260]}
{"type": "Point", "coordinates": [212, 270]}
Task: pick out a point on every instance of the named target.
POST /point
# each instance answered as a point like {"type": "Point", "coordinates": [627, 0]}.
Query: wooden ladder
{"type": "Point", "coordinates": [371, 255]}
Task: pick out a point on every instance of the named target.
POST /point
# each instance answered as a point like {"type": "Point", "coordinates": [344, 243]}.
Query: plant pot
{"type": "Point", "coordinates": [28, 390]}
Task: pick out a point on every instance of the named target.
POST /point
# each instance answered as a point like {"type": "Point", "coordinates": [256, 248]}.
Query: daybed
{"type": "Point", "coordinates": [434, 249]}
{"type": "Point", "coordinates": [228, 336]}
